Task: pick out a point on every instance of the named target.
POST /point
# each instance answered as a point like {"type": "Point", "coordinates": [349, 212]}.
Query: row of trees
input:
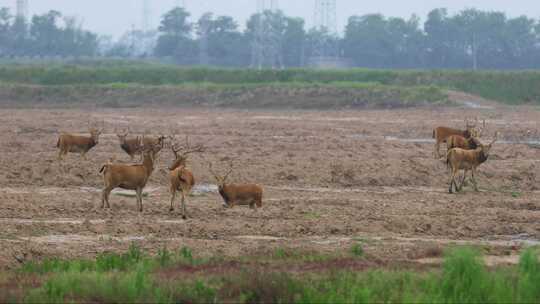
{"type": "Point", "coordinates": [50, 34]}
{"type": "Point", "coordinates": [469, 39]}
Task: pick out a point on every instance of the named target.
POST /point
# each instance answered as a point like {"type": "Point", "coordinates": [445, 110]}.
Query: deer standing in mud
{"type": "Point", "coordinates": [441, 134]}
{"type": "Point", "coordinates": [181, 178]}
{"type": "Point", "coordinates": [131, 146]}
{"type": "Point", "coordinates": [238, 194]}
{"type": "Point", "coordinates": [78, 144]}
{"type": "Point", "coordinates": [460, 159]}
{"type": "Point", "coordinates": [129, 177]}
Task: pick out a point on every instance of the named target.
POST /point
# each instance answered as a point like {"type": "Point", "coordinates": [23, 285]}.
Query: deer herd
{"type": "Point", "coordinates": [464, 152]}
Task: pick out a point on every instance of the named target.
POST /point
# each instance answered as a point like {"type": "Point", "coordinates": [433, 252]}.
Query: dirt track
{"type": "Point", "coordinates": [387, 191]}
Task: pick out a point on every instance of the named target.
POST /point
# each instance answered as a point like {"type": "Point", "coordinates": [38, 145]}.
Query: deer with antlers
{"type": "Point", "coordinates": [180, 177]}
{"type": "Point", "coordinates": [467, 160]}
{"type": "Point", "coordinates": [78, 144]}
{"type": "Point", "coordinates": [238, 194]}
{"type": "Point", "coordinates": [131, 146]}
{"type": "Point", "coordinates": [441, 134]}
{"type": "Point", "coordinates": [129, 177]}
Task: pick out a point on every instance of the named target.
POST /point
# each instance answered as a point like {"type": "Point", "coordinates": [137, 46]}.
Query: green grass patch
{"type": "Point", "coordinates": [513, 87]}
{"type": "Point", "coordinates": [132, 277]}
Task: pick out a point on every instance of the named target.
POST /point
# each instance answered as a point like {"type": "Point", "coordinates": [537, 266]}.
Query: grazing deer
{"type": "Point", "coordinates": [129, 177]}
{"type": "Point", "coordinates": [180, 177]}
{"type": "Point", "coordinates": [441, 134]}
{"type": "Point", "coordinates": [78, 144]}
{"type": "Point", "coordinates": [131, 146]}
{"type": "Point", "coordinates": [238, 194]}
{"type": "Point", "coordinates": [460, 159]}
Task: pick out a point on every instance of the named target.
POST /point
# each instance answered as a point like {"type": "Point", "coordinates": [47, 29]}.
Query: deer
{"type": "Point", "coordinates": [237, 194]}
{"type": "Point", "coordinates": [461, 159]}
{"type": "Point", "coordinates": [131, 146]}
{"type": "Point", "coordinates": [154, 142]}
{"type": "Point", "coordinates": [441, 134]}
{"type": "Point", "coordinates": [181, 178]}
{"type": "Point", "coordinates": [458, 141]}
{"type": "Point", "coordinates": [78, 144]}
{"type": "Point", "coordinates": [129, 177]}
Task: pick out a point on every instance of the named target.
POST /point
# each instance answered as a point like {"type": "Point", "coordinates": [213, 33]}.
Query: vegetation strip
{"type": "Point", "coordinates": [171, 277]}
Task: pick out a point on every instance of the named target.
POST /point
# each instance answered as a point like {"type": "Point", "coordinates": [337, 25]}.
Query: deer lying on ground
{"type": "Point", "coordinates": [460, 159]}
{"type": "Point", "coordinates": [131, 146]}
{"type": "Point", "coordinates": [129, 177]}
{"type": "Point", "coordinates": [180, 177]}
{"type": "Point", "coordinates": [78, 144]}
{"type": "Point", "coordinates": [441, 134]}
{"type": "Point", "coordinates": [238, 194]}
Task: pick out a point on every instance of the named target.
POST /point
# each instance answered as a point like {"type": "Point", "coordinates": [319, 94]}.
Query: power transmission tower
{"type": "Point", "coordinates": [146, 16]}
{"type": "Point", "coordinates": [266, 44]}
{"type": "Point", "coordinates": [204, 26]}
{"type": "Point", "coordinates": [325, 21]}
{"type": "Point", "coordinates": [181, 3]}
{"type": "Point", "coordinates": [22, 9]}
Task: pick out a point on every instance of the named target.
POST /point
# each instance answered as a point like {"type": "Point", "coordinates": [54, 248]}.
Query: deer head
{"type": "Point", "coordinates": [221, 179]}
{"type": "Point", "coordinates": [122, 136]}
{"type": "Point", "coordinates": [95, 131]}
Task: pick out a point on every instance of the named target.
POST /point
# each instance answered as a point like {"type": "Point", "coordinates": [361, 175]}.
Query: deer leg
{"type": "Point", "coordinates": [173, 196]}
{"type": "Point", "coordinates": [105, 197]}
{"type": "Point", "coordinates": [184, 215]}
{"type": "Point", "coordinates": [452, 181]}
{"type": "Point", "coordinates": [463, 180]}
{"type": "Point", "coordinates": [437, 152]}
{"type": "Point", "coordinates": [473, 171]}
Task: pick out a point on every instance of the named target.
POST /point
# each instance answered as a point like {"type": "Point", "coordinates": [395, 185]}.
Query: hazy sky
{"type": "Point", "coordinates": [116, 16]}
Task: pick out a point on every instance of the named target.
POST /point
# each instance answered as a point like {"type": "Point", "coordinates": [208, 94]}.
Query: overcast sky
{"type": "Point", "coordinates": [116, 16]}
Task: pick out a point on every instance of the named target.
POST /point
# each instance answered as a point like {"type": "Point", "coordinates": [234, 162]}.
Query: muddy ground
{"type": "Point", "coordinates": [331, 179]}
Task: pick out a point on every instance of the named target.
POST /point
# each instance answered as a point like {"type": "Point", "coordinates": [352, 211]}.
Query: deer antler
{"type": "Point", "coordinates": [231, 168]}
{"type": "Point", "coordinates": [188, 149]}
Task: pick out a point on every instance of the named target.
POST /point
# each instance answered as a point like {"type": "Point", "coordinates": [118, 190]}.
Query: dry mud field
{"type": "Point", "coordinates": [331, 179]}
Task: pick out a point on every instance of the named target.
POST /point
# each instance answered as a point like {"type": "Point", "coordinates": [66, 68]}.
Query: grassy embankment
{"type": "Point", "coordinates": [285, 277]}
{"type": "Point", "coordinates": [133, 84]}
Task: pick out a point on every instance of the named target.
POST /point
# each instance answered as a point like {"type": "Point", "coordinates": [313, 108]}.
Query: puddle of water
{"type": "Point", "coordinates": [474, 105]}
{"type": "Point", "coordinates": [490, 260]}
{"type": "Point", "coordinates": [260, 238]}
{"type": "Point", "coordinates": [532, 142]}
{"type": "Point", "coordinates": [202, 189]}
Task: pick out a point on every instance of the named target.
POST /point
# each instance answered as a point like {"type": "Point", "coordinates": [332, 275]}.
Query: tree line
{"type": "Point", "coordinates": [470, 39]}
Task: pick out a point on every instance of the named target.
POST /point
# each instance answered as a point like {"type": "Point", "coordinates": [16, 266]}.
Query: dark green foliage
{"type": "Point", "coordinates": [357, 250]}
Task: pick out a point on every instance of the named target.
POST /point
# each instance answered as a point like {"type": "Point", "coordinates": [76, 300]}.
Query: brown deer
{"type": "Point", "coordinates": [131, 146]}
{"type": "Point", "coordinates": [78, 144]}
{"type": "Point", "coordinates": [457, 141]}
{"type": "Point", "coordinates": [441, 134]}
{"type": "Point", "coordinates": [238, 194]}
{"type": "Point", "coordinates": [129, 177]}
{"type": "Point", "coordinates": [154, 142]}
{"type": "Point", "coordinates": [460, 159]}
{"type": "Point", "coordinates": [180, 177]}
